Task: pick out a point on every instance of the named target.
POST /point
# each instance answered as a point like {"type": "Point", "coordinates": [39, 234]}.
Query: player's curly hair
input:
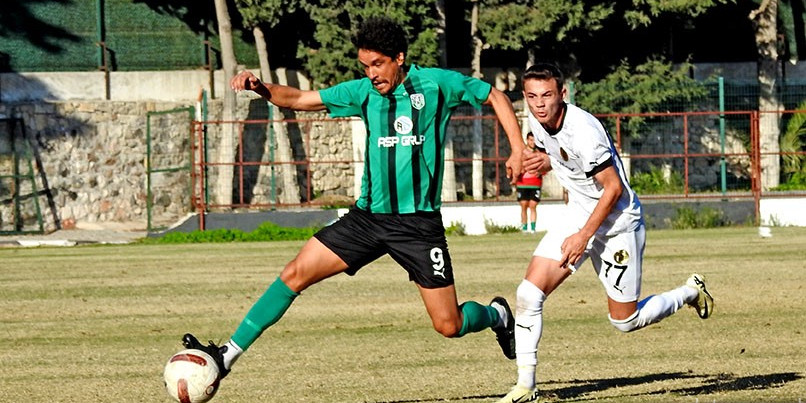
{"type": "Point", "coordinates": [381, 34]}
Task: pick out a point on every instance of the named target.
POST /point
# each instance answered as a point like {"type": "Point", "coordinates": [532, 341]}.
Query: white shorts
{"type": "Point", "coordinates": [616, 259]}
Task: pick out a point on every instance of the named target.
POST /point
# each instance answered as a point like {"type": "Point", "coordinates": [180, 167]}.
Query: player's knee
{"type": "Point", "coordinates": [448, 328]}
{"type": "Point", "coordinates": [292, 276]}
{"type": "Point", "coordinates": [529, 297]}
{"type": "Point", "coordinates": [626, 325]}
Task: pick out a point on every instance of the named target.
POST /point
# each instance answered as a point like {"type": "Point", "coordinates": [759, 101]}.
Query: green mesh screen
{"type": "Point", "coordinates": [64, 38]}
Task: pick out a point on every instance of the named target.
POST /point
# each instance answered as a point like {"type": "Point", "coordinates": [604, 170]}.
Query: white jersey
{"type": "Point", "coordinates": [579, 150]}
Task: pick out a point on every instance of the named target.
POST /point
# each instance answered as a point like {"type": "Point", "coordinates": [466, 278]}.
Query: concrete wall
{"type": "Point", "coordinates": [173, 86]}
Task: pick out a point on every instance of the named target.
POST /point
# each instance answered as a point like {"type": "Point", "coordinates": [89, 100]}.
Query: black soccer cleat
{"type": "Point", "coordinates": [505, 334]}
{"type": "Point", "coordinates": [190, 341]}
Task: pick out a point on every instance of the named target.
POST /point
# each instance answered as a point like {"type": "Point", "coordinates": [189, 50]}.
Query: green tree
{"type": "Point", "coordinates": [793, 141]}
{"type": "Point", "coordinates": [332, 58]}
{"type": "Point", "coordinates": [527, 24]}
{"type": "Point", "coordinates": [645, 10]}
{"type": "Point", "coordinates": [640, 89]}
{"type": "Point", "coordinates": [768, 37]}
{"type": "Point", "coordinates": [645, 88]}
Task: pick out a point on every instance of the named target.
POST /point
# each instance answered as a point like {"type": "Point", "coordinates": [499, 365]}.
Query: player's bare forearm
{"type": "Point", "coordinates": [611, 183]}
{"type": "Point", "coordinates": [280, 95]}
{"type": "Point", "coordinates": [506, 116]}
{"type": "Point", "coordinates": [574, 246]}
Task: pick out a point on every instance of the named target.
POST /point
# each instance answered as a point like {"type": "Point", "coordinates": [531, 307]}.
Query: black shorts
{"type": "Point", "coordinates": [415, 241]}
{"type": "Point", "coordinates": [532, 194]}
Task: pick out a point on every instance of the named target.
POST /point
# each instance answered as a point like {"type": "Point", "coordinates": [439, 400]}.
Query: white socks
{"type": "Point", "coordinates": [232, 354]}
{"type": "Point", "coordinates": [528, 329]}
{"type": "Point", "coordinates": [529, 321]}
{"type": "Point", "coordinates": [656, 307]}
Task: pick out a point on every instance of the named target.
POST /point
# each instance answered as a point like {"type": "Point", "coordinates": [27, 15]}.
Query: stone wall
{"type": "Point", "coordinates": [88, 160]}
{"type": "Point", "coordinates": [698, 135]}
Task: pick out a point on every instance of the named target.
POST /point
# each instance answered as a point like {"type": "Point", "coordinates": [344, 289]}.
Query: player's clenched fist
{"type": "Point", "coordinates": [244, 80]}
{"type": "Point", "coordinates": [536, 162]}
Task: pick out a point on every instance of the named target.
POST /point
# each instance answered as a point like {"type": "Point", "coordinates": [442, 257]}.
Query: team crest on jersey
{"type": "Point", "coordinates": [563, 154]}
{"type": "Point", "coordinates": [417, 101]}
{"type": "Point", "coordinates": [403, 125]}
{"type": "Point", "coordinates": [621, 256]}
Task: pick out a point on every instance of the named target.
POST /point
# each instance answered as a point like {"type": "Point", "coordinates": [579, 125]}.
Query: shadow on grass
{"type": "Point", "coordinates": [581, 389]}
{"type": "Point", "coordinates": [706, 384]}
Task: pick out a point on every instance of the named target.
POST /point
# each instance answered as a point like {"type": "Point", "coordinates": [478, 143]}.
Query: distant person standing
{"type": "Point", "coordinates": [528, 189]}
{"type": "Point", "coordinates": [603, 222]}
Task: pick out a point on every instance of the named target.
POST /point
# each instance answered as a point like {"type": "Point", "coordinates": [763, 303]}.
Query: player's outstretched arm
{"type": "Point", "coordinates": [280, 95]}
{"type": "Point", "coordinates": [506, 115]}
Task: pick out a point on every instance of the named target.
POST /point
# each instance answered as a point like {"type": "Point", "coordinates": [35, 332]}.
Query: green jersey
{"type": "Point", "coordinates": [404, 156]}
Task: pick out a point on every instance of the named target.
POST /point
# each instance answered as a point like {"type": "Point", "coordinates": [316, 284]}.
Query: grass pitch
{"type": "Point", "coordinates": [97, 323]}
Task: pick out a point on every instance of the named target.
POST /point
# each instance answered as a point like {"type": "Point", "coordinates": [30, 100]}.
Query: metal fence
{"type": "Point", "coordinates": [18, 181]}
{"type": "Point", "coordinates": [168, 166]}
{"type": "Point", "coordinates": [684, 156]}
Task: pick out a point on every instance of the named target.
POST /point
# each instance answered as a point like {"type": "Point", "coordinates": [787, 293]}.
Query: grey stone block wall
{"type": "Point", "coordinates": [92, 158]}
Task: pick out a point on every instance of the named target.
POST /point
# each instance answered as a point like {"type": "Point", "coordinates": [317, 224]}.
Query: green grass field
{"type": "Point", "coordinates": [97, 323]}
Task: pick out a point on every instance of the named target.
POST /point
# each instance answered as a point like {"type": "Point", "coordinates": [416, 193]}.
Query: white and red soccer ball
{"type": "Point", "coordinates": [191, 376]}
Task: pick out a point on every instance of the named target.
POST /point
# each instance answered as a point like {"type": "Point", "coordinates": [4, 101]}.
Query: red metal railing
{"type": "Point", "coordinates": [496, 153]}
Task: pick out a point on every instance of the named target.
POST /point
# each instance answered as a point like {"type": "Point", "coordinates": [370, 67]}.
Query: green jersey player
{"type": "Point", "coordinates": [603, 223]}
{"type": "Point", "coordinates": [406, 111]}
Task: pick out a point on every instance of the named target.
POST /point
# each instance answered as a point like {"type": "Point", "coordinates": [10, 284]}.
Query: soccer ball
{"type": "Point", "coordinates": [191, 376]}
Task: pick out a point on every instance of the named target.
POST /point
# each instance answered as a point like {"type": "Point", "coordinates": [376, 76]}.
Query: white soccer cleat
{"type": "Point", "coordinates": [520, 394]}
{"type": "Point", "coordinates": [704, 304]}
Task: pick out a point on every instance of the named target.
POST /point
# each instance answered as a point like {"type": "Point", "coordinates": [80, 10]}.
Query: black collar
{"type": "Point", "coordinates": [553, 132]}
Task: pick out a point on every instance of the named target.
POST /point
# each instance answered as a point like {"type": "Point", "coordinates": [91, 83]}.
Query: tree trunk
{"type": "Point", "coordinates": [226, 150]}
{"type": "Point", "coordinates": [449, 175]}
{"type": "Point", "coordinates": [765, 22]}
{"type": "Point", "coordinates": [475, 64]}
{"type": "Point", "coordinates": [441, 26]}
{"type": "Point", "coordinates": [288, 171]}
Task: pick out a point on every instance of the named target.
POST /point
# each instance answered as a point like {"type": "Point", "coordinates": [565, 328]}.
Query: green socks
{"type": "Point", "coordinates": [275, 301]}
{"type": "Point", "coordinates": [476, 317]}
{"type": "Point", "coordinates": [264, 313]}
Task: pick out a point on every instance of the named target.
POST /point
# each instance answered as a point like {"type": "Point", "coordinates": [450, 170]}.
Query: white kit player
{"type": "Point", "coordinates": [604, 223]}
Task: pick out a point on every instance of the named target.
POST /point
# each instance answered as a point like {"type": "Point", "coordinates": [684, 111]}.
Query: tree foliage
{"type": "Point", "coordinates": [331, 57]}
{"type": "Point", "coordinates": [265, 12]}
{"type": "Point", "coordinates": [645, 10]}
{"type": "Point", "coordinates": [640, 89]}
{"type": "Point", "coordinates": [793, 141]}
{"type": "Point", "coordinates": [514, 25]}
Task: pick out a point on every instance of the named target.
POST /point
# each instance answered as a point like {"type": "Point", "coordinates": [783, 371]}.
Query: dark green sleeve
{"type": "Point", "coordinates": [345, 99]}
